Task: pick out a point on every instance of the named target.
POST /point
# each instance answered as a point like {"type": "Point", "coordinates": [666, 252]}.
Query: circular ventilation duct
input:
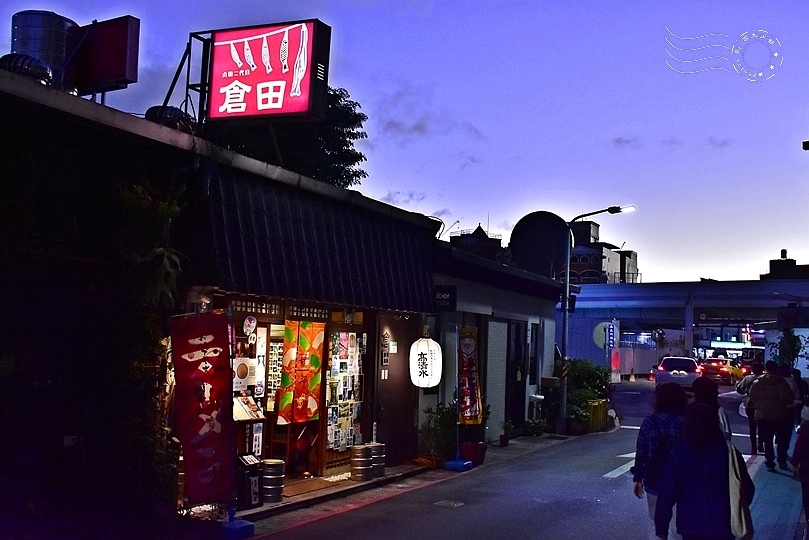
{"type": "Point", "coordinates": [172, 117]}
{"type": "Point", "coordinates": [28, 66]}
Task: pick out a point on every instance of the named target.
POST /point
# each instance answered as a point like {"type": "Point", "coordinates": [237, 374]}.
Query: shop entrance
{"type": "Point", "coordinates": [396, 401]}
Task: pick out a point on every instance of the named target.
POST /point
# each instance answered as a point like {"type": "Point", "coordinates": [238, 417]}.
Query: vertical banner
{"type": "Point", "coordinates": [203, 405]}
{"type": "Point", "coordinates": [301, 372]}
{"type": "Point", "coordinates": [469, 405]}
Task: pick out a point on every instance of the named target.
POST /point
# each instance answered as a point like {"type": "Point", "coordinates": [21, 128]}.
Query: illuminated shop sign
{"type": "Point", "coordinates": [277, 70]}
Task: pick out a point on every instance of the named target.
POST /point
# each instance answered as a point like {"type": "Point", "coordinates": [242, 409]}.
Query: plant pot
{"type": "Point", "coordinates": [473, 451]}
{"type": "Point", "coordinates": [503, 440]}
{"type": "Point", "coordinates": [577, 428]}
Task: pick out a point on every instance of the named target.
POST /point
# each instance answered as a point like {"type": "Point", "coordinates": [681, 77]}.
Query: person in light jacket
{"type": "Point", "coordinates": [696, 479]}
{"type": "Point", "coordinates": [743, 387]}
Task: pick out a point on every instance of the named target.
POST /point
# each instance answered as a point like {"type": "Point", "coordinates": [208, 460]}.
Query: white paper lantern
{"type": "Point", "coordinates": [425, 363]}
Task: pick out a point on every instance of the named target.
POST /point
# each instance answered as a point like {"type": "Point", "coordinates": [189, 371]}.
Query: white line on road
{"type": "Point", "coordinates": [615, 473]}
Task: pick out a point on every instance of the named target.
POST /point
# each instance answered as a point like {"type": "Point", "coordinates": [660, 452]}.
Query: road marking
{"type": "Point", "coordinates": [629, 427]}
{"type": "Point", "coordinates": [615, 473]}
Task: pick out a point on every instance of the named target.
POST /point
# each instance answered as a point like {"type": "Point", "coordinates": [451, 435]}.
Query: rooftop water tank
{"type": "Point", "coordinates": [43, 35]}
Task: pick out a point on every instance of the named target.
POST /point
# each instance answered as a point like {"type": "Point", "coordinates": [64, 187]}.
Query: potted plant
{"type": "Point", "coordinates": [508, 428]}
{"type": "Point", "coordinates": [577, 417]}
{"type": "Point", "coordinates": [437, 436]}
{"type": "Point", "coordinates": [473, 439]}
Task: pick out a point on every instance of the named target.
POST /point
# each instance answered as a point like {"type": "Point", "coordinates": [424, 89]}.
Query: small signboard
{"type": "Point", "coordinates": [446, 298]}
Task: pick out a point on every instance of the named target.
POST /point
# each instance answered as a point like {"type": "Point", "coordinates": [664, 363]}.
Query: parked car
{"type": "Point", "coordinates": [724, 370]}
{"type": "Point", "coordinates": [679, 369]}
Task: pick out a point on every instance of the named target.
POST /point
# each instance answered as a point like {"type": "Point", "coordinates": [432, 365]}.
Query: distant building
{"type": "Point", "coordinates": [477, 242]}
{"type": "Point", "coordinates": [785, 268]}
{"type": "Point", "coordinates": [593, 261]}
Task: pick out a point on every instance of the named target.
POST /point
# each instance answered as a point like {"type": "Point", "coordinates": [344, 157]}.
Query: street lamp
{"type": "Point", "coordinates": [561, 422]}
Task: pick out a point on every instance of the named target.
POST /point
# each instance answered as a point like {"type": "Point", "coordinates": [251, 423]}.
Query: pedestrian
{"type": "Point", "coordinates": [772, 399]}
{"type": "Point", "coordinates": [800, 465]}
{"type": "Point", "coordinates": [706, 391]}
{"type": "Point", "coordinates": [658, 434]}
{"type": "Point", "coordinates": [696, 479]}
{"type": "Point", "coordinates": [803, 388]}
{"type": "Point", "coordinates": [743, 387]}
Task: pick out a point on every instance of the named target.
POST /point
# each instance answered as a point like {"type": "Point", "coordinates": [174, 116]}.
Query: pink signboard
{"type": "Point", "coordinates": [277, 70]}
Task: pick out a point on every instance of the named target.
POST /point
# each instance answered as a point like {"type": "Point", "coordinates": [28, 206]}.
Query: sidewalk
{"type": "Point", "coordinates": [776, 508]}
{"type": "Point", "coordinates": [341, 488]}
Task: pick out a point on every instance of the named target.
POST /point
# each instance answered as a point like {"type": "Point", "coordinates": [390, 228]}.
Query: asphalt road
{"type": "Point", "coordinates": [575, 489]}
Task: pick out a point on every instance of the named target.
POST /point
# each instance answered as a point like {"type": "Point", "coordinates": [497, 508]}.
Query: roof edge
{"type": "Point", "coordinates": [26, 89]}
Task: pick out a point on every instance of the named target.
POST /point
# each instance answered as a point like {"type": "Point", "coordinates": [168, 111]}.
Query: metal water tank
{"type": "Point", "coordinates": [43, 35]}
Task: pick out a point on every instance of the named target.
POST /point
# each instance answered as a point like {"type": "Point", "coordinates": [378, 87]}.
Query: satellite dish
{"type": "Point", "coordinates": [538, 243]}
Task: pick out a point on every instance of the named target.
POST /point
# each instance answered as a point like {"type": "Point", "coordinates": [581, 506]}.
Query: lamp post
{"type": "Point", "coordinates": [561, 422]}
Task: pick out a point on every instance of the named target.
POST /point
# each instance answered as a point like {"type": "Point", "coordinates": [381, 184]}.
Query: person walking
{"type": "Point", "coordinates": [772, 399]}
{"type": "Point", "coordinates": [803, 388]}
{"type": "Point", "coordinates": [800, 465]}
{"type": "Point", "coordinates": [706, 391]}
{"type": "Point", "coordinates": [743, 387]}
{"type": "Point", "coordinates": [696, 479]}
{"type": "Point", "coordinates": [658, 434]}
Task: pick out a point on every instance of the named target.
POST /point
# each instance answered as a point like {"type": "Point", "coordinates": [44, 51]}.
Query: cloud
{"type": "Point", "coordinates": [468, 160]}
{"type": "Point", "coordinates": [624, 142]}
{"type": "Point", "coordinates": [404, 198]}
{"type": "Point", "coordinates": [404, 129]}
{"type": "Point", "coordinates": [671, 142]}
{"type": "Point", "coordinates": [713, 142]}
{"type": "Point", "coordinates": [406, 114]}
{"type": "Point", "coordinates": [472, 130]}
{"type": "Point", "coordinates": [442, 213]}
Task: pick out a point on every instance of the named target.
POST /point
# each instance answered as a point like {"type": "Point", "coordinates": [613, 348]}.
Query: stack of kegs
{"type": "Point", "coordinates": [361, 462]}
{"type": "Point", "coordinates": [377, 460]}
{"type": "Point", "coordinates": [272, 479]}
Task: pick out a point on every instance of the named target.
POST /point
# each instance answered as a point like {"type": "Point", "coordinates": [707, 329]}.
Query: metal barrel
{"type": "Point", "coordinates": [377, 460]}
{"type": "Point", "coordinates": [272, 479]}
{"type": "Point", "coordinates": [361, 462]}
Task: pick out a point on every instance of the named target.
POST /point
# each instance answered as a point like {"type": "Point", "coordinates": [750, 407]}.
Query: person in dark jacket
{"type": "Point", "coordinates": [696, 479]}
{"type": "Point", "coordinates": [658, 434]}
{"type": "Point", "coordinates": [773, 400]}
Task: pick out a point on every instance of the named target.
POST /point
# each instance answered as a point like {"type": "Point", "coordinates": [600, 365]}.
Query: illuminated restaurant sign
{"type": "Point", "coordinates": [277, 70]}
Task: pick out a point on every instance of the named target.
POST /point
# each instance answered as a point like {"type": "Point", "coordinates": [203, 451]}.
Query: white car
{"type": "Point", "coordinates": [679, 369]}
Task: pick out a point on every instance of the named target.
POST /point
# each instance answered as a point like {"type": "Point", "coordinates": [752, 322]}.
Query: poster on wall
{"type": "Point", "coordinates": [469, 404]}
{"type": "Point", "coordinates": [300, 378]}
{"type": "Point", "coordinates": [244, 362]}
{"type": "Point", "coordinates": [261, 361]}
{"type": "Point", "coordinates": [203, 404]}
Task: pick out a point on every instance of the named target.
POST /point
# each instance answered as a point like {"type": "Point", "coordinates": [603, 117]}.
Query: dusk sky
{"type": "Point", "coordinates": [483, 111]}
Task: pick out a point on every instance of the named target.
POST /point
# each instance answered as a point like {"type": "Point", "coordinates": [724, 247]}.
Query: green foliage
{"type": "Point", "coordinates": [146, 216]}
{"type": "Point", "coordinates": [586, 381]}
{"type": "Point", "coordinates": [507, 426]}
{"type": "Point", "coordinates": [325, 150]}
{"type": "Point", "coordinates": [322, 150]}
{"type": "Point", "coordinates": [535, 426]}
{"type": "Point", "coordinates": [438, 433]}
{"type": "Point", "coordinates": [789, 348]}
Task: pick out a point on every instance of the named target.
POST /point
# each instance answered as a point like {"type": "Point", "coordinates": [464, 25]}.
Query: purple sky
{"type": "Point", "coordinates": [485, 111]}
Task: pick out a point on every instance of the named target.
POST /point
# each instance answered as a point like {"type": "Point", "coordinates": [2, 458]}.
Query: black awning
{"type": "Point", "coordinates": [278, 240]}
